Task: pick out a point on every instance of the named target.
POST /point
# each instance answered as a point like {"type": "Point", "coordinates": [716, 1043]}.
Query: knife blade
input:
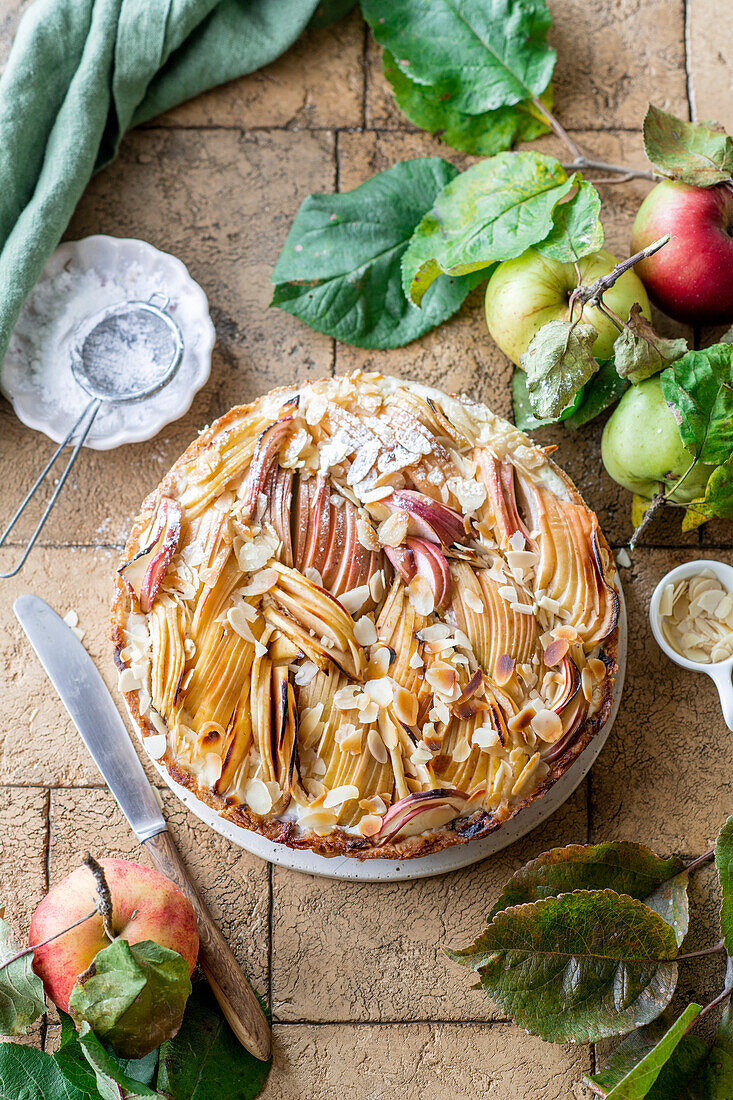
{"type": "Point", "coordinates": [92, 710]}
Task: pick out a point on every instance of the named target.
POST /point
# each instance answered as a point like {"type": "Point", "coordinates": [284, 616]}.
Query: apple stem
{"type": "Point", "coordinates": [658, 502]}
{"type": "Point", "coordinates": [593, 293]}
{"type": "Point", "coordinates": [104, 896]}
{"type": "Point", "coordinates": [716, 947]}
{"type": "Point", "coordinates": [580, 160]}
{"type": "Point", "coordinates": [55, 936]}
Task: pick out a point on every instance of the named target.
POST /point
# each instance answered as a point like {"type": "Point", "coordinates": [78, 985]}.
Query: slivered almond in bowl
{"type": "Point", "coordinates": [365, 618]}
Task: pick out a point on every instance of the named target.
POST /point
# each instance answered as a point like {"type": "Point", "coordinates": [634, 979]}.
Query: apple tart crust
{"type": "Point", "coordinates": [366, 618]}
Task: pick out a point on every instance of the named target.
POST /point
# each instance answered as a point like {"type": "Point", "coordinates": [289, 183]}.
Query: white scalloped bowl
{"type": "Point", "coordinates": [116, 424]}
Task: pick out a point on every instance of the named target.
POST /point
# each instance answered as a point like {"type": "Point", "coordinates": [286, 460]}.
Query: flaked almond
{"type": "Point", "coordinates": [376, 586]}
{"type": "Point", "coordinates": [354, 601]}
{"type": "Point", "coordinates": [366, 534]}
{"type": "Point", "coordinates": [416, 661]}
{"type": "Point", "coordinates": [347, 698]}
{"type": "Point", "coordinates": [421, 596]}
{"type": "Point", "coordinates": [597, 668]}
{"type": "Point", "coordinates": [376, 746]}
{"type": "Point", "coordinates": [566, 633]}
{"type": "Point", "coordinates": [405, 706]}
{"type": "Point", "coordinates": [373, 805]}
{"type": "Point", "coordinates": [485, 738]}
{"type": "Point", "coordinates": [556, 650]}
{"type": "Point", "coordinates": [258, 797]}
{"type": "Point", "coordinates": [393, 530]}
{"type": "Point", "coordinates": [370, 825]}
{"type": "Point", "coordinates": [380, 691]}
{"type": "Point", "coordinates": [522, 718]}
{"type": "Point", "coordinates": [443, 679]}
{"type": "Point", "coordinates": [472, 601]}
{"type": "Point", "coordinates": [260, 582]}
{"type": "Point", "coordinates": [526, 775]}
{"type": "Point", "coordinates": [339, 795]}
{"type": "Point", "coordinates": [462, 751]}
{"type": "Point", "coordinates": [239, 621]}
{"type": "Point", "coordinates": [548, 726]}
{"type": "Point", "coordinates": [504, 669]}
{"type": "Point", "coordinates": [306, 671]}
{"type": "Point", "coordinates": [156, 745]}
{"type": "Point", "coordinates": [369, 712]}
{"type": "Point", "coordinates": [380, 659]}
{"type": "Point", "coordinates": [309, 720]}
{"type": "Point", "coordinates": [365, 631]}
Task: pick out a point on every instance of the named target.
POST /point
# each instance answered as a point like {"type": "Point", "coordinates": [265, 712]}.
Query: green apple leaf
{"type": "Point", "coordinates": [30, 1074]}
{"type": "Point", "coordinates": [339, 270]}
{"type": "Point", "coordinates": [91, 1068]}
{"type": "Point", "coordinates": [135, 997]}
{"type": "Point", "coordinates": [724, 867]}
{"type": "Point", "coordinates": [484, 135]}
{"type": "Point", "coordinates": [699, 390]}
{"type": "Point", "coordinates": [718, 499]}
{"type": "Point", "coordinates": [558, 363]}
{"type": "Point", "coordinates": [597, 395]}
{"type": "Point", "coordinates": [480, 55]}
{"type": "Point", "coordinates": [577, 967]}
{"type": "Point", "coordinates": [576, 227]}
{"type": "Point", "coordinates": [639, 351]}
{"type": "Point", "coordinates": [21, 991]}
{"type": "Point", "coordinates": [698, 153]}
{"type": "Point", "coordinates": [621, 866]}
{"type": "Point", "coordinates": [633, 1068]}
{"type": "Point", "coordinates": [205, 1060]}
{"type": "Point", "coordinates": [493, 211]}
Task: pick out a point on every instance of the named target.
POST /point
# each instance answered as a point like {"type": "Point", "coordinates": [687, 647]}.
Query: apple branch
{"type": "Point", "coordinates": [34, 947]}
{"type": "Point", "coordinates": [104, 897]}
{"type": "Point", "coordinates": [580, 160]}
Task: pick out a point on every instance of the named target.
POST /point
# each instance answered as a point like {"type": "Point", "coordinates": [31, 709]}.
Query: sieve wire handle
{"type": "Point", "coordinates": [94, 406]}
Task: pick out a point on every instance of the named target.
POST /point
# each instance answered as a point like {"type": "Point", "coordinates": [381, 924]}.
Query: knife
{"type": "Point", "coordinates": [92, 710]}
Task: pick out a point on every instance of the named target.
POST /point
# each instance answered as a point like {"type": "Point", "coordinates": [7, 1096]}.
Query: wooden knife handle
{"type": "Point", "coordinates": [227, 980]}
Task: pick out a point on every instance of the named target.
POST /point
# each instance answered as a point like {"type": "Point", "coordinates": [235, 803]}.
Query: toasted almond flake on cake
{"type": "Point", "coordinates": [421, 596]}
{"type": "Point", "coordinates": [258, 797]}
{"type": "Point", "coordinates": [354, 600]}
{"type": "Point", "coordinates": [156, 745]}
{"type": "Point", "coordinates": [473, 602]}
{"type": "Point", "coordinates": [306, 671]}
{"type": "Point", "coordinates": [548, 726]}
{"type": "Point", "coordinates": [338, 795]}
{"type": "Point", "coordinates": [376, 746]}
{"type": "Point", "coordinates": [365, 631]}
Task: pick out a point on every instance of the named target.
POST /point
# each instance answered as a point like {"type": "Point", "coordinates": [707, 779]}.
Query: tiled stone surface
{"type": "Point", "coordinates": [45, 747]}
{"type": "Point", "coordinates": [365, 1004]}
{"type": "Point", "coordinates": [377, 948]}
{"type": "Point", "coordinates": [319, 82]}
{"type": "Point", "coordinates": [234, 884]}
{"type": "Point", "coordinates": [440, 1061]}
{"type": "Point", "coordinates": [711, 63]}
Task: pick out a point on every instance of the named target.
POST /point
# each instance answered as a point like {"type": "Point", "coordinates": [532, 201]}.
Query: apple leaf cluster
{"type": "Point", "coordinates": [202, 1061]}
{"type": "Point", "coordinates": [699, 390]}
{"type": "Point", "coordinates": [583, 943]}
{"type": "Point", "coordinates": [697, 153]}
{"type": "Point", "coordinates": [475, 74]}
{"type": "Point", "coordinates": [640, 352]}
{"type": "Point", "coordinates": [383, 264]}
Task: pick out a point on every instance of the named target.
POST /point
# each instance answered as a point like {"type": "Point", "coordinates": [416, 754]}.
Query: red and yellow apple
{"type": "Point", "coordinates": [691, 278]}
{"type": "Point", "coordinates": [524, 294]}
{"type": "Point", "coordinates": [146, 906]}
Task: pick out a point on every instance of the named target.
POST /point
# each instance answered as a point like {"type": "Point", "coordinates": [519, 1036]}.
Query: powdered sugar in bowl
{"type": "Point", "coordinates": [81, 278]}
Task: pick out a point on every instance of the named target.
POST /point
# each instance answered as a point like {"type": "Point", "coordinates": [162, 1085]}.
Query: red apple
{"type": "Point", "coordinates": [146, 906]}
{"type": "Point", "coordinates": [691, 278]}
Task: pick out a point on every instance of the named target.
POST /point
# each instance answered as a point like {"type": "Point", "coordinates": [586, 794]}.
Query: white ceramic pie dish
{"type": "Point", "coordinates": [152, 271]}
{"type": "Point", "coordinates": [450, 859]}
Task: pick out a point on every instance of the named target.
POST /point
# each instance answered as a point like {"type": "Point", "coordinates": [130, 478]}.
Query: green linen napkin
{"type": "Point", "coordinates": [82, 72]}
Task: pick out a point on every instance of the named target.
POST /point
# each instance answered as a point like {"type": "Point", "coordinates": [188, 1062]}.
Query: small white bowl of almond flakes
{"type": "Point", "coordinates": [691, 613]}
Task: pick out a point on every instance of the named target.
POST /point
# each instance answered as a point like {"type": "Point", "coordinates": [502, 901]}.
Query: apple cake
{"type": "Point", "coordinates": [362, 617]}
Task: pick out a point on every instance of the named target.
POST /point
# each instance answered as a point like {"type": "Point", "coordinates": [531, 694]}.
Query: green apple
{"type": "Point", "coordinates": [642, 448]}
{"type": "Point", "coordinates": [524, 294]}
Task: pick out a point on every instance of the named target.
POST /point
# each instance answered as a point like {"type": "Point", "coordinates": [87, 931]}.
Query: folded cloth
{"type": "Point", "coordinates": [82, 72]}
